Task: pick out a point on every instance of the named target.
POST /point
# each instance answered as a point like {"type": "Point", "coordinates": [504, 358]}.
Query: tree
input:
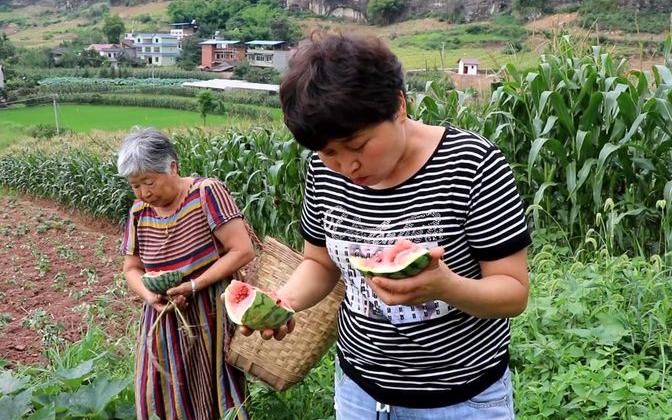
{"type": "Point", "coordinates": [90, 58]}
{"type": "Point", "coordinates": [34, 57]}
{"type": "Point", "coordinates": [383, 12]}
{"type": "Point", "coordinates": [7, 50]}
{"type": "Point", "coordinates": [239, 19]}
{"type": "Point", "coordinates": [126, 59]}
{"type": "Point", "coordinates": [244, 71]}
{"type": "Point", "coordinates": [190, 56]}
{"type": "Point", "coordinates": [206, 103]}
{"type": "Point", "coordinates": [113, 28]}
{"type": "Point", "coordinates": [528, 9]}
{"type": "Point", "coordinates": [282, 28]}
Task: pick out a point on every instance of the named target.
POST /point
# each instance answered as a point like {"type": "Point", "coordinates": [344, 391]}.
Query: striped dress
{"type": "Point", "coordinates": [178, 376]}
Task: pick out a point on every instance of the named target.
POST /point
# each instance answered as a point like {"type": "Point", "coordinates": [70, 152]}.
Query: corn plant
{"type": "Point", "coordinates": [580, 131]}
{"type": "Point", "coordinates": [583, 132]}
{"type": "Point", "coordinates": [590, 144]}
{"type": "Point", "coordinates": [76, 178]}
{"type": "Point", "coordinates": [263, 169]}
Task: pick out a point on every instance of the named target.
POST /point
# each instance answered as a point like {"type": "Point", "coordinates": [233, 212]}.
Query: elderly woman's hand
{"type": "Point", "coordinates": [160, 302]}
{"type": "Point", "coordinates": [157, 301]}
{"type": "Point", "coordinates": [184, 290]}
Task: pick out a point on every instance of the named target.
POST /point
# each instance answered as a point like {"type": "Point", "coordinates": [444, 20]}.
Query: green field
{"type": "Point", "coordinates": [84, 118]}
{"type": "Point", "coordinates": [14, 123]}
{"type": "Point", "coordinates": [413, 58]}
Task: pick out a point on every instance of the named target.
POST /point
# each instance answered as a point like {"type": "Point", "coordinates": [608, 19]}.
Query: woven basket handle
{"type": "Point", "coordinates": [248, 273]}
{"type": "Point", "coordinates": [253, 236]}
{"type": "Point", "coordinates": [250, 270]}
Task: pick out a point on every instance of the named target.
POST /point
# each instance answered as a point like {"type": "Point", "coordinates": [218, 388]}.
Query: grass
{"type": "Point", "coordinates": [156, 9]}
{"type": "Point", "coordinates": [10, 132]}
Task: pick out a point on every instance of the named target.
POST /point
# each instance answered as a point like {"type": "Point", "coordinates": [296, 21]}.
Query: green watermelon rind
{"type": "Point", "coordinates": [262, 313]}
{"type": "Point", "coordinates": [265, 313]}
{"type": "Point", "coordinates": [416, 264]}
{"type": "Point", "coordinates": [162, 281]}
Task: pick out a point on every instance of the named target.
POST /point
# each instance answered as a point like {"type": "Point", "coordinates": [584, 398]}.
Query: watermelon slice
{"type": "Point", "coordinates": [247, 305]}
{"type": "Point", "coordinates": [160, 281]}
{"type": "Point", "coordinates": [401, 260]}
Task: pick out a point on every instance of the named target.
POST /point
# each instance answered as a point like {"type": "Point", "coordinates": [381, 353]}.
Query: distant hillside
{"type": "Point", "coordinates": [470, 10]}
{"type": "Point", "coordinates": [48, 23]}
{"type": "Point", "coordinates": [436, 41]}
{"type": "Point", "coordinates": [73, 4]}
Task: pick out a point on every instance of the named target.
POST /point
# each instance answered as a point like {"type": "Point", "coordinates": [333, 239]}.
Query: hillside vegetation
{"type": "Point", "coordinates": [438, 39]}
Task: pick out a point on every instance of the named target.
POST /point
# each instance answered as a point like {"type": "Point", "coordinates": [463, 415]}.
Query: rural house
{"type": "Point", "coordinates": [273, 54]}
{"type": "Point", "coordinates": [56, 54]}
{"type": "Point", "coordinates": [160, 49]}
{"type": "Point", "coordinates": [109, 51]}
{"type": "Point", "coordinates": [183, 29]}
{"type": "Point", "coordinates": [221, 54]}
{"type": "Point", "coordinates": [467, 66]}
{"type": "Point", "coordinates": [128, 48]}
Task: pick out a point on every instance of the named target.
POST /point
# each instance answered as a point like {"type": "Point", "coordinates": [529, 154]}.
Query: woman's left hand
{"type": "Point", "coordinates": [432, 283]}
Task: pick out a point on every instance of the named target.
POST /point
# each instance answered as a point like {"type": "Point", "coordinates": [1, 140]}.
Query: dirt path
{"type": "Point", "coordinates": [58, 268]}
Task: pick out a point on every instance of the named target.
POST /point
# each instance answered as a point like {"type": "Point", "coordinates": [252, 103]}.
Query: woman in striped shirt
{"type": "Point", "coordinates": [191, 225]}
{"type": "Point", "coordinates": [432, 346]}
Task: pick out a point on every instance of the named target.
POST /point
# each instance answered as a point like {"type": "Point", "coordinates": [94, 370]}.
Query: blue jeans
{"type": "Point", "coordinates": [353, 403]}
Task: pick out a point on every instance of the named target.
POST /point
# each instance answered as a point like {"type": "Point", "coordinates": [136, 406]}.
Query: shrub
{"type": "Point", "coordinates": [417, 81]}
{"type": "Point", "coordinates": [255, 74]}
{"type": "Point", "coordinates": [383, 12]}
{"type": "Point", "coordinates": [602, 13]}
{"type": "Point", "coordinates": [476, 29]}
{"type": "Point", "coordinates": [46, 131]}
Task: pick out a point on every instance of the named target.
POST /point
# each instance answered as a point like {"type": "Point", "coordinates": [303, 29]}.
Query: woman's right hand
{"type": "Point", "coordinates": [279, 333]}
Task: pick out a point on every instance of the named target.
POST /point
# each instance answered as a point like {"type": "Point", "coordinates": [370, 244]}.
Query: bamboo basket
{"type": "Point", "coordinates": [281, 364]}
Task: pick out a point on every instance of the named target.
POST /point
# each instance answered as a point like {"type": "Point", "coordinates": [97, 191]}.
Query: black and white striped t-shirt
{"type": "Point", "coordinates": [463, 199]}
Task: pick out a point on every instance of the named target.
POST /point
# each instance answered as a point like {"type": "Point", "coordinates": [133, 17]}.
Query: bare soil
{"type": "Point", "coordinates": [58, 268]}
{"type": "Point", "coordinates": [388, 32]}
{"type": "Point", "coordinates": [556, 21]}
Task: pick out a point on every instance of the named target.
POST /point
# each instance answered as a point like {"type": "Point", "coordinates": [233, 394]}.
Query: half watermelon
{"type": "Point", "coordinates": [160, 281]}
{"type": "Point", "coordinates": [247, 305]}
{"type": "Point", "coordinates": [401, 260]}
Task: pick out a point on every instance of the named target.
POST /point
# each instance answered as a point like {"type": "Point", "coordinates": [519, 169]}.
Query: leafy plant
{"type": "Point", "coordinates": [84, 381]}
{"type": "Point", "coordinates": [594, 338]}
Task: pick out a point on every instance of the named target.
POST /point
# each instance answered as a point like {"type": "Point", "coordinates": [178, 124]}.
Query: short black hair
{"type": "Point", "coordinates": [337, 85]}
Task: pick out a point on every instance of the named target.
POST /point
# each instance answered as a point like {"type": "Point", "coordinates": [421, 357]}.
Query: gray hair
{"type": "Point", "coordinates": [145, 150]}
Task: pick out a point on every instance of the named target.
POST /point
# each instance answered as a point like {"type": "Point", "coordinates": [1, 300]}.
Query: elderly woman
{"type": "Point", "coordinates": [191, 225]}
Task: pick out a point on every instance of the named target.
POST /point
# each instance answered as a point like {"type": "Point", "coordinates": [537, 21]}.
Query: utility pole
{"type": "Point", "coordinates": [443, 51]}
{"type": "Point", "coordinates": [58, 129]}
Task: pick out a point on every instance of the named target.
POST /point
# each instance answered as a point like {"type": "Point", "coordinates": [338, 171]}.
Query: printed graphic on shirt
{"type": "Point", "coordinates": [421, 228]}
